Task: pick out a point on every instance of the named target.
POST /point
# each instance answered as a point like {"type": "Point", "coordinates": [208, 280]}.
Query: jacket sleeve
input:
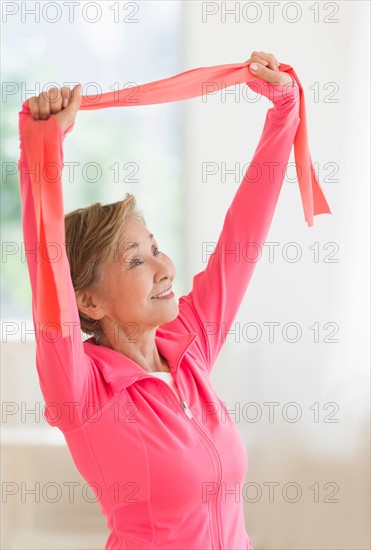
{"type": "Point", "coordinates": [67, 376]}
{"type": "Point", "coordinates": [217, 292]}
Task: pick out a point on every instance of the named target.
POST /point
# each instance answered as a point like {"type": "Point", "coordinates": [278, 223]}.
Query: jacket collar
{"type": "Point", "coordinates": [120, 371]}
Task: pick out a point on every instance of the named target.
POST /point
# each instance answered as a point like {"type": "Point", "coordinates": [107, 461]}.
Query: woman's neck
{"type": "Point", "coordinates": [157, 363]}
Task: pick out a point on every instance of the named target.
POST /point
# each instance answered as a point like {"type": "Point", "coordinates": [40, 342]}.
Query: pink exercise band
{"type": "Point", "coordinates": [44, 148]}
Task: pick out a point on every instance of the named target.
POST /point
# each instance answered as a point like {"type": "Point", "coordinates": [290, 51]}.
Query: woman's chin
{"type": "Point", "coordinates": [171, 313]}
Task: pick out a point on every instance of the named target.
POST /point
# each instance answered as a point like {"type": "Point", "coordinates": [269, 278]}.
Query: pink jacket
{"type": "Point", "coordinates": [167, 473]}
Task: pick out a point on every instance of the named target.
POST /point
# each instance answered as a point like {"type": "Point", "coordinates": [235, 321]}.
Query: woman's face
{"type": "Point", "coordinates": [133, 276]}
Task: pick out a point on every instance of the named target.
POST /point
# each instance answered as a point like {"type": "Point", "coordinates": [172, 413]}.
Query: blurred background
{"type": "Point", "coordinates": [299, 394]}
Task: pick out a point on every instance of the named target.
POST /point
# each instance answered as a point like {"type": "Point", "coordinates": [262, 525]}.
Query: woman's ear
{"type": "Point", "coordinates": [90, 304]}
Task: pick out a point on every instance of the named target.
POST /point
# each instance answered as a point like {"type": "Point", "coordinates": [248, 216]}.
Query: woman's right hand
{"type": "Point", "coordinates": [267, 69]}
{"type": "Point", "coordinates": [61, 102]}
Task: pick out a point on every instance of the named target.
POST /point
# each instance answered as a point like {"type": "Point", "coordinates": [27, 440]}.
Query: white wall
{"type": "Point", "coordinates": [306, 292]}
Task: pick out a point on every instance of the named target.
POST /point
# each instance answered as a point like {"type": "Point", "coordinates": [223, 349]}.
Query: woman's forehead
{"type": "Point", "coordinates": [134, 230]}
{"type": "Point", "coordinates": [134, 235]}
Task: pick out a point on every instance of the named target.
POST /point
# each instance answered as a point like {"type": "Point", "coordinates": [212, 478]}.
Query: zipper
{"type": "Point", "coordinates": [188, 412]}
{"type": "Point", "coordinates": [219, 478]}
{"type": "Point", "coordinates": [182, 402]}
{"type": "Point", "coordinates": [215, 520]}
{"type": "Point", "coordinates": [186, 409]}
{"type": "Point", "coordinates": [217, 461]}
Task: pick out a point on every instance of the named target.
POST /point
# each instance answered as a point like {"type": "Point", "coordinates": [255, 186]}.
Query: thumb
{"type": "Point", "coordinates": [67, 116]}
{"type": "Point", "coordinates": [263, 72]}
{"type": "Point", "coordinates": [75, 101]}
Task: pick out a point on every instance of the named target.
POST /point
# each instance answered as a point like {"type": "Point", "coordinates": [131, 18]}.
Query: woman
{"type": "Point", "coordinates": [135, 401]}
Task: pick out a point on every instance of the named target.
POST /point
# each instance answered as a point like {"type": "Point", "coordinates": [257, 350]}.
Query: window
{"type": "Point", "coordinates": [110, 151]}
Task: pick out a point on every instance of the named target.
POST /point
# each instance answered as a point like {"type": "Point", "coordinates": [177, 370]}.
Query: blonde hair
{"type": "Point", "coordinates": [91, 233]}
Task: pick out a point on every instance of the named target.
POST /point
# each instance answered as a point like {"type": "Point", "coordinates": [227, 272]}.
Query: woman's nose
{"type": "Point", "coordinates": [164, 269]}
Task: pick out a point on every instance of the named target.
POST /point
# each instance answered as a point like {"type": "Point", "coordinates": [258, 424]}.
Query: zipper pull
{"type": "Point", "coordinates": [186, 409]}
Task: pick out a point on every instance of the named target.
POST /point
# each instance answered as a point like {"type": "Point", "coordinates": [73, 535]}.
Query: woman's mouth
{"type": "Point", "coordinates": [164, 295]}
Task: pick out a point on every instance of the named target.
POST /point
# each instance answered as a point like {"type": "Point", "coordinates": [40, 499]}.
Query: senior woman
{"type": "Point", "coordinates": [135, 401]}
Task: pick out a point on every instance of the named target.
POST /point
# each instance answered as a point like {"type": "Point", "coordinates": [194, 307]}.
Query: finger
{"type": "Point", "coordinates": [268, 57]}
{"type": "Point", "coordinates": [265, 73]}
{"type": "Point", "coordinates": [272, 61]}
{"type": "Point", "coordinates": [55, 100]}
{"type": "Point", "coordinates": [44, 106]}
{"type": "Point", "coordinates": [66, 94]}
{"type": "Point", "coordinates": [277, 78]}
{"type": "Point", "coordinates": [257, 59]}
{"type": "Point", "coordinates": [34, 107]}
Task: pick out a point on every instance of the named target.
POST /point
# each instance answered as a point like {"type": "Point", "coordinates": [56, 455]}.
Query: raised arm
{"type": "Point", "coordinates": [66, 374]}
{"type": "Point", "coordinates": [217, 292]}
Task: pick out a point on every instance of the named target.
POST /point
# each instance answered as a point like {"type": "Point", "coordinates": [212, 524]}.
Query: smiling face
{"type": "Point", "coordinates": [135, 273]}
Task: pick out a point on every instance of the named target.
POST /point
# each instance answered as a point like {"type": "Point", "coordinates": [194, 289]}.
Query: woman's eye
{"type": "Point", "coordinates": [135, 262]}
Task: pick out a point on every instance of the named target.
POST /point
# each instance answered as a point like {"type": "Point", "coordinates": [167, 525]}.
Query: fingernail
{"type": "Point", "coordinates": [254, 66]}
{"type": "Point", "coordinates": [65, 102]}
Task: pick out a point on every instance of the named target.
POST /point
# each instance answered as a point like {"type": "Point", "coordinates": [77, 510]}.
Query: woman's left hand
{"type": "Point", "coordinates": [267, 69]}
{"type": "Point", "coordinates": [63, 103]}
